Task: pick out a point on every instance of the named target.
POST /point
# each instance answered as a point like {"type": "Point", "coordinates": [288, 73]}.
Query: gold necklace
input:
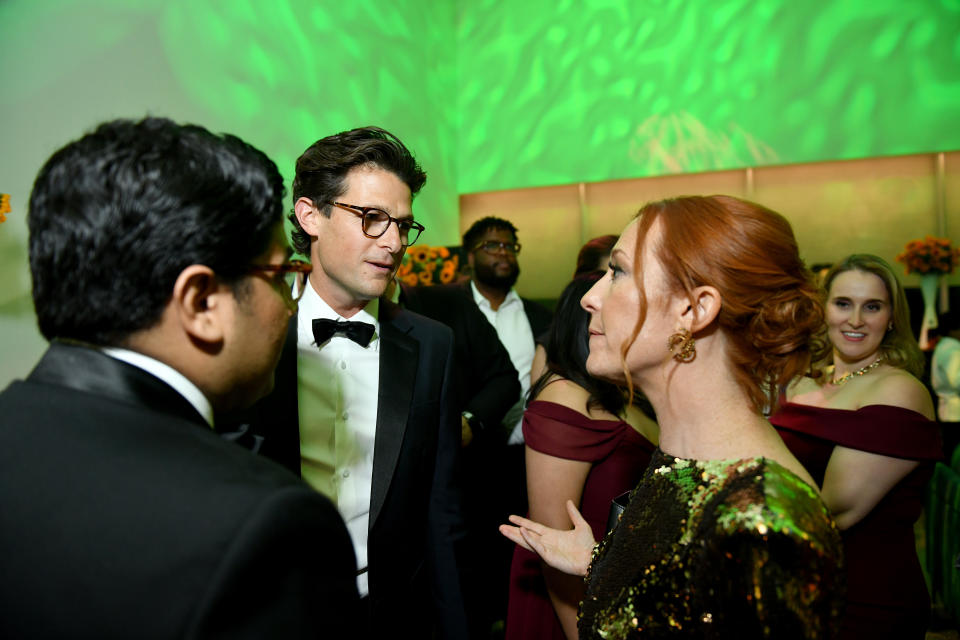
{"type": "Point", "coordinates": [859, 372]}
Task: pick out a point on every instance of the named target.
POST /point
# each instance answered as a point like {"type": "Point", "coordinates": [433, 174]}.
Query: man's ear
{"type": "Point", "coordinates": [470, 260]}
{"type": "Point", "coordinates": [308, 216]}
{"type": "Point", "coordinates": [706, 305]}
{"type": "Point", "coordinates": [199, 303]}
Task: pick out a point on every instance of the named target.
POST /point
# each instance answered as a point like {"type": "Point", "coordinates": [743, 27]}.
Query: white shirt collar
{"type": "Point", "coordinates": [480, 300]}
{"type": "Point", "coordinates": [168, 374]}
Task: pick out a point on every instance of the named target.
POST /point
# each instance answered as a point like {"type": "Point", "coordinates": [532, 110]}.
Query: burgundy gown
{"type": "Point", "coordinates": [886, 593]}
{"type": "Point", "coordinates": [619, 455]}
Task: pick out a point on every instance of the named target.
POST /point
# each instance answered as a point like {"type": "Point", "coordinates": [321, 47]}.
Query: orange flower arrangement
{"type": "Point", "coordinates": [4, 206]}
{"type": "Point", "coordinates": [427, 266]}
{"type": "Point", "coordinates": [930, 255]}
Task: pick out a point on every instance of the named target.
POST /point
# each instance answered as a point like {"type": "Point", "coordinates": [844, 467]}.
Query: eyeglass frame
{"type": "Point", "coordinates": [290, 266]}
{"type": "Point", "coordinates": [362, 212]}
{"type": "Point", "coordinates": [501, 247]}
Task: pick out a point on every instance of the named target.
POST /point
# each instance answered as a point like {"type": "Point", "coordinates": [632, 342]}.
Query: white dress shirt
{"type": "Point", "coordinates": [168, 374]}
{"type": "Point", "coordinates": [337, 386]}
{"type": "Point", "coordinates": [513, 329]}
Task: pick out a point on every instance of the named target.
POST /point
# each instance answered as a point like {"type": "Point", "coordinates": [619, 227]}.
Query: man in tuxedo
{"type": "Point", "coordinates": [364, 407]}
{"type": "Point", "coordinates": [158, 265]}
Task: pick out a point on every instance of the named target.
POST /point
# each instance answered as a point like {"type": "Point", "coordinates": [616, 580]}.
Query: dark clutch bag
{"type": "Point", "coordinates": [617, 505]}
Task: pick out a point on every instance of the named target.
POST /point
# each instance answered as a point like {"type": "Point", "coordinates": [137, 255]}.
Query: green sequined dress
{"type": "Point", "coordinates": [717, 549]}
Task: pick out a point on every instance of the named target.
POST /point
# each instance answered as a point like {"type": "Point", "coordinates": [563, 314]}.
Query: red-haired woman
{"type": "Point", "coordinates": [866, 434]}
{"type": "Point", "coordinates": [706, 307]}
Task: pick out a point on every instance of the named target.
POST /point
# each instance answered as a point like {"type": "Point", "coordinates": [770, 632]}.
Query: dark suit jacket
{"type": "Point", "coordinates": [124, 515]}
{"type": "Point", "coordinates": [415, 518]}
{"type": "Point", "coordinates": [538, 315]}
{"type": "Point", "coordinates": [486, 380]}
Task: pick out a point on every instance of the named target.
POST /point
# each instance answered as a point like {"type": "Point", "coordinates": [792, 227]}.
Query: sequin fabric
{"type": "Point", "coordinates": [717, 549]}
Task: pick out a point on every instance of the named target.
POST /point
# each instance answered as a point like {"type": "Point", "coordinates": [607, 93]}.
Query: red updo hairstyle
{"type": "Point", "coordinates": [771, 312]}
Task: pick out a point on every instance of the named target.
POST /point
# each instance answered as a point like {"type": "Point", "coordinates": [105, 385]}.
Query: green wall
{"type": "Point", "coordinates": [553, 92]}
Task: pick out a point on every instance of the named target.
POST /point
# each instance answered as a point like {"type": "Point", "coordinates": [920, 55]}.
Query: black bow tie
{"type": "Point", "coordinates": [359, 332]}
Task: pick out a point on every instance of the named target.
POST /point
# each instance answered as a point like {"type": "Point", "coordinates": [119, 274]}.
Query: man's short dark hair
{"type": "Point", "coordinates": [479, 228]}
{"type": "Point", "coordinates": [117, 215]}
{"type": "Point", "coordinates": [322, 169]}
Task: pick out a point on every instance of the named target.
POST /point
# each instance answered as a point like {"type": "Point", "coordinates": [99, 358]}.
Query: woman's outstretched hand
{"type": "Point", "coordinates": [567, 551]}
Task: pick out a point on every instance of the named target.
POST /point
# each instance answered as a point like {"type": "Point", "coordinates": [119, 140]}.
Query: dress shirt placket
{"type": "Point", "coordinates": [356, 433]}
{"type": "Point", "coordinates": [338, 383]}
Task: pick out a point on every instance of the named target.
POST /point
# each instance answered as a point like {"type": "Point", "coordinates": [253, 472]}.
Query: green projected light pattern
{"type": "Point", "coordinates": [588, 90]}
{"type": "Point", "coordinates": [494, 95]}
{"type": "Point", "coordinates": [294, 71]}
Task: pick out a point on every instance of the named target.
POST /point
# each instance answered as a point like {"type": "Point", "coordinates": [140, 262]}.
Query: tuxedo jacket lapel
{"type": "Point", "coordinates": [399, 354]}
{"type": "Point", "coordinates": [86, 369]}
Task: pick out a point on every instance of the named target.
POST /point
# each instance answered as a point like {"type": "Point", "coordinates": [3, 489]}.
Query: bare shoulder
{"type": "Point", "coordinates": [802, 384]}
{"type": "Point", "coordinates": [898, 388]}
{"type": "Point", "coordinates": [565, 393]}
{"type": "Point", "coordinates": [804, 390]}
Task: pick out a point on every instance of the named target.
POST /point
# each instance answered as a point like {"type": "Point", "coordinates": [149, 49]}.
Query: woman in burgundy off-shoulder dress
{"type": "Point", "coordinates": [578, 448]}
{"type": "Point", "coordinates": [867, 436]}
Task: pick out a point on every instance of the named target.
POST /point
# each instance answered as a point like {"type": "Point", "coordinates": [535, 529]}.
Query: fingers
{"type": "Point", "coordinates": [532, 540]}
{"type": "Point", "coordinates": [575, 516]}
{"type": "Point", "coordinates": [520, 521]}
{"type": "Point", "coordinates": [513, 534]}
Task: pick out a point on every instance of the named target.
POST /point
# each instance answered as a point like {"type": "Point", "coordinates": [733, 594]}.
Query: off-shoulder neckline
{"type": "Point", "coordinates": [866, 408]}
{"type": "Point", "coordinates": [579, 414]}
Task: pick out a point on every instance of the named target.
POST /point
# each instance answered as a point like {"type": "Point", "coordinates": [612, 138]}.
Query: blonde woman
{"type": "Point", "coordinates": [866, 434]}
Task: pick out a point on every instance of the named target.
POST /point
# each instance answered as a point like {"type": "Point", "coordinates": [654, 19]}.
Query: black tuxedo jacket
{"type": "Point", "coordinates": [124, 515]}
{"type": "Point", "coordinates": [415, 517]}
{"type": "Point", "coordinates": [486, 380]}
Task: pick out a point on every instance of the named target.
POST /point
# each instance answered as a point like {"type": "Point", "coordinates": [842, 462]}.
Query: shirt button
{"type": "Point", "coordinates": [343, 364]}
{"type": "Point", "coordinates": [346, 473]}
{"type": "Point", "coordinates": [346, 416]}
